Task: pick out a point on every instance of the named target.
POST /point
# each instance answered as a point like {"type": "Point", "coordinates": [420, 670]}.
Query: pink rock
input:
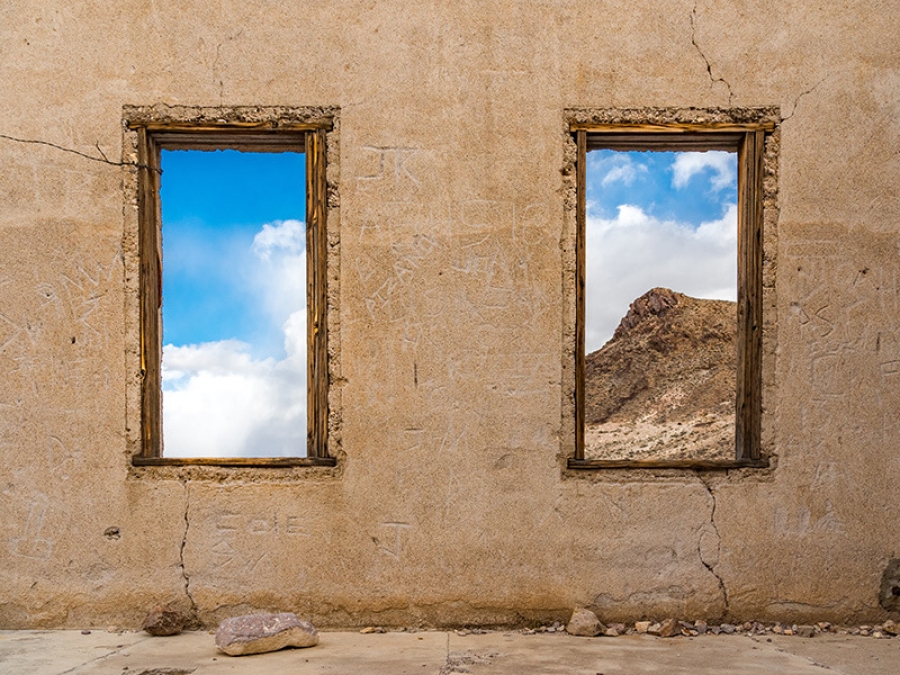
{"type": "Point", "coordinates": [258, 633]}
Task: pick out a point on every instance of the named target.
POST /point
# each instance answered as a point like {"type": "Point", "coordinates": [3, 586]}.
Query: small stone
{"type": "Point", "coordinates": [611, 632]}
{"type": "Point", "coordinates": [777, 629]}
{"type": "Point", "coordinates": [788, 631]}
{"type": "Point", "coordinates": [257, 633]}
{"type": "Point", "coordinates": [747, 625]}
{"type": "Point", "coordinates": [641, 626]}
{"type": "Point", "coordinates": [111, 629]}
{"type": "Point", "coordinates": [865, 632]}
{"type": "Point", "coordinates": [584, 623]}
{"type": "Point", "coordinates": [669, 628]}
{"type": "Point", "coordinates": [728, 628]}
{"type": "Point", "coordinates": [805, 631]}
{"type": "Point", "coordinates": [715, 630]}
{"type": "Point", "coordinates": [654, 628]}
{"type": "Point", "coordinates": [701, 627]}
{"type": "Point", "coordinates": [878, 634]}
{"type": "Point", "coordinates": [618, 627]}
{"type": "Point", "coordinates": [890, 626]}
{"type": "Point", "coordinates": [164, 621]}
{"type": "Point", "coordinates": [823, 625]}
{"type": "Point", "coordinates": [372, 629]}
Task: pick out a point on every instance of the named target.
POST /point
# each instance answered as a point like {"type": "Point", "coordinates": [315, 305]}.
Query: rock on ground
{"type": "Point", "coordinates": [584, 623]}
{"type": "Point", "coordinates": [164, 621]}
{"type": "Point", "coordinates": [669, 628]}
{"type": "Point", "coordinates": [258, 633]}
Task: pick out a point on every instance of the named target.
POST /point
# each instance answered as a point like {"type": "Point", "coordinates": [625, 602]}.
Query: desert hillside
{"type": "Point", "coordinates": [664, 386]}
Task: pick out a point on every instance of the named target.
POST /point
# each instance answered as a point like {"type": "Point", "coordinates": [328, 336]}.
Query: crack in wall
{"type": "Point", "coordinates": [801, 95]}
{"type": "Point", "coordinates": [194, 617]}
{"type": "Point", "coordinates": [712, 521]}
{"type": "Point", "coordinates": [103, 159]}
{"type": "Point", "coordinates": [712, 78]}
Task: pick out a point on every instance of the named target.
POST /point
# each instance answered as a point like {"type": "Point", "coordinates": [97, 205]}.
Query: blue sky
{"type": "Point", "coordinates": [657, 219]}
{"type": "Point", "coordinates": [234, 315]}
{"type": "Point", "coordinates": [699, 191]}
{"type": "Point", "coordinates": [213, 205]}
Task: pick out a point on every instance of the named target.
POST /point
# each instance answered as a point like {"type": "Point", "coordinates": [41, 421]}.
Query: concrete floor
{"type": "Point", "coordinates": [442, 653]}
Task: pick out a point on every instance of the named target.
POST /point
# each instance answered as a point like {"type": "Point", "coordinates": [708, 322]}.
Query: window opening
{"type": "Point", "coordinates": [234, 303]}
{"type": "Point", "coordinates": [232, 241]}
{"type": "Point", "coordinates": [660, 305]}
{"type": "Point", "coordinates": [668, 295]}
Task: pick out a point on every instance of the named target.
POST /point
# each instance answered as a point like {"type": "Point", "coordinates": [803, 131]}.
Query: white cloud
{"type": "Point", "coordinates": [623, 169]}
{"type": "Point", "coordinates": [628, 255]}
{"type": "Point", "coordinates": [278, 274]}
{"type": "Point", "coordinates": [221, 401]}
{"type": "Point", "coordinates": [689, 164]}
{"type": "Point", "coordinates": [282, 236]}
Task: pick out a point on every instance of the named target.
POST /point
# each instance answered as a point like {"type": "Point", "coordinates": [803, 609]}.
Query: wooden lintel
{"type": "Point", "coordinates": [673, 128]}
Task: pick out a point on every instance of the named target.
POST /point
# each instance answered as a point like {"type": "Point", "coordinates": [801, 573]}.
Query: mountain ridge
{"type": "Point", "coordinates": [664, 384]}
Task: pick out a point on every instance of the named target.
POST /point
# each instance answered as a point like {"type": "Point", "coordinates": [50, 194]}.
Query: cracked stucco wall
{"type": "Point", "coordinates": [450, 504]}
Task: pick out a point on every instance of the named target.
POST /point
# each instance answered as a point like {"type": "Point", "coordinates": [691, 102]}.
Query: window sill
{"type": "Point", "coordinates": [696, 464]}
{"type": "Point", "coordinates": [241, 462]}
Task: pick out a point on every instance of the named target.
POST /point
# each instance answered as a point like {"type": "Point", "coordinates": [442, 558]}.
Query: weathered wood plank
{"type": "Point", "coordinates": [697, 464]}
{"type": "Point", "coordinates": [150, 296]}
{"type": "Point", "coordinates": [580, 261]}
{"type": "Point", "coordinates": [673, 128]}
{"type": "Point", "coordinates": [317, 252]}
{"type": "Point", "coordinates": [749, 376]}
{"type": "Point", "coordinates": [261, 462]}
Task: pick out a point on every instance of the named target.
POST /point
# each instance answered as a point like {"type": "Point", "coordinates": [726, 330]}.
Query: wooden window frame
{"type": "Point", "coordinates": [748, 140]}
{"type": "Point", "coordinates": [266, 137]}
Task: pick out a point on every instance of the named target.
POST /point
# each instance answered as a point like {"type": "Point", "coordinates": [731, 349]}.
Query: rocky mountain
{"type": "Point", "coordinates": [664, 386]}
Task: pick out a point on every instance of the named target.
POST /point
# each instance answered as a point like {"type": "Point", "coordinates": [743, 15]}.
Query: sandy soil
{"type": "Point", "coordinates": [704, 436]}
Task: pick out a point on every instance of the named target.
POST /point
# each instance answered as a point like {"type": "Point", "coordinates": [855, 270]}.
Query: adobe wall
{"type": "Point", "coordinates": [452, 313]}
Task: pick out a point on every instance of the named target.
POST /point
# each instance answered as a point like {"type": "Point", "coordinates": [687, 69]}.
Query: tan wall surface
{"type": "Point", "coordinates": [452, 317]}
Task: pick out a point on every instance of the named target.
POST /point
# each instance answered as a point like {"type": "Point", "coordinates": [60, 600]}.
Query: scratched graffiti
{"type": "Point", "coordinates": [391, 539]}
{"type": "Point", "coordinates": [389, 164]}
{"type": "Point", "coordinates": [799, 521]}
{"type": "Point", "coordinates": [65, 309]}
{"type": "Point", "coordinates": [33, 543]}
{"type": "Point", "coordinates": [244, 543]}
